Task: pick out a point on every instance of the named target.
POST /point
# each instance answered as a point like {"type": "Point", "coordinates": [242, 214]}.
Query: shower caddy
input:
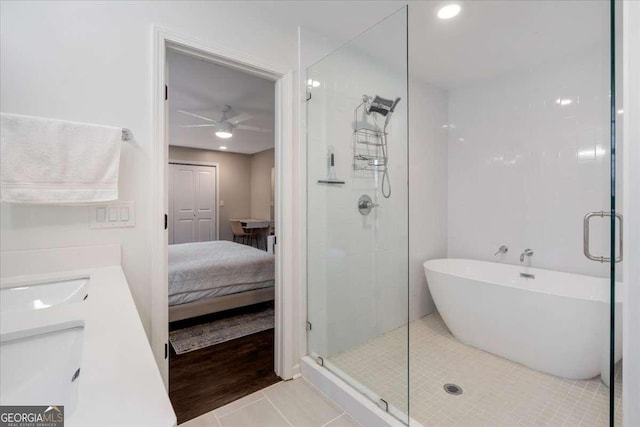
{"type": "Point", "coordinates": [369, 145]}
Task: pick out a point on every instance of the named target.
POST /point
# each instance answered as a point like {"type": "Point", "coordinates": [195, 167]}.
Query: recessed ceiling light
{"type": "Point", "coordinates": [620, 111]}
{"type": "Point", "coordinates": [449, 11]}
{"type": "Point", "coordinates": [222, 147]}
{"type": "Point", "coordinates": [563, 101]}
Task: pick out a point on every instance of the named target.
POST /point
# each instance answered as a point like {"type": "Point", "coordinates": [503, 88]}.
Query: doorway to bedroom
{"type": "Point", "coordinates": [221, 228]}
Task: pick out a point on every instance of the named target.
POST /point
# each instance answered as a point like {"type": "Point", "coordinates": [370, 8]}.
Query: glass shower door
{"type": "Point", "coordinates": [616, 221]}
{"type": "Point", "coordinates": [357, 186]}
{"type": "Point", "coordinates": [531, 154]}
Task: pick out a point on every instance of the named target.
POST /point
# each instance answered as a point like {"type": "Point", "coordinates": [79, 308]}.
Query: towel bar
{"type": "Point", "coordinates": [127, 135]}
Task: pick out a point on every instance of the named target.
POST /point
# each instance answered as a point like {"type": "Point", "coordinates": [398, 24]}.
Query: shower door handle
{"type": "Point", "coordinates": [585, 235]}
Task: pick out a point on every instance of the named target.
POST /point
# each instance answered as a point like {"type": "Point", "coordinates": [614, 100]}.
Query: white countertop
{"type": "Point", "coordinates": [120, 384]}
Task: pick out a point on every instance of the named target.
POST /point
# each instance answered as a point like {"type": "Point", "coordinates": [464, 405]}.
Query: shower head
{"type": "Point", "coordinates": [393, 107]}
{"type": "Point", "coordinates": [382, 106]}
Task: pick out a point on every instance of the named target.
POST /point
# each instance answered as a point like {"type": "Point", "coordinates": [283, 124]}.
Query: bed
{"type": "Point", "coordinates": [207, 277]}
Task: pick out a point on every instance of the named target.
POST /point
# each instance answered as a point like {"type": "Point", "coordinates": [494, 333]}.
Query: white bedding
{"type": "Point", "coordinates": [205, 269]}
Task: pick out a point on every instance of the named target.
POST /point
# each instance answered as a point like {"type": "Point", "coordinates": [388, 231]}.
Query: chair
{"type": "Point", "coordinates": [240, 233]}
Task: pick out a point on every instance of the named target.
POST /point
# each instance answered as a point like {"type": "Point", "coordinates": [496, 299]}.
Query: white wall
{"type": "Point", "coordinates": [91, 62]}
{"type": "Point", "coordinates": [523, 170]}
{"type": "Point", "coordinates": [428, 143]}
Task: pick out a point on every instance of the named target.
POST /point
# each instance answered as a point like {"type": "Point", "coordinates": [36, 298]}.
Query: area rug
{"type": "Point", "coordinates": [221, 330]}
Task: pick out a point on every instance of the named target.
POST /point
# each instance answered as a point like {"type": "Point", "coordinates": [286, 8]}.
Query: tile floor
{"type": "Point", "coordinates": [293, 403]}
{"type": "Point", "coordinates": [496, 391]}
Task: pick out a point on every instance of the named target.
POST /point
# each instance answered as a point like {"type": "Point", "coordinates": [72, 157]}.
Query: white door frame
{"type": "Point", "coordinates": [631, 212]}
{"type": "Point", "coordinates": [217, 198]}
{"type": "Point", "coordinates": [286, 344]}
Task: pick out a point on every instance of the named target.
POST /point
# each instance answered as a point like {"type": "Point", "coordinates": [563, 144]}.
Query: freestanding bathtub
{"type": "Point", "coordinates": [556, 322]}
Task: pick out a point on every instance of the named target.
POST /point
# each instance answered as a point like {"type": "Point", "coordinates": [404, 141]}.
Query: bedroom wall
{"type": "Point", "coordinates": [261, 164]}
{"type": "Point", "coordinates": [234, 182]}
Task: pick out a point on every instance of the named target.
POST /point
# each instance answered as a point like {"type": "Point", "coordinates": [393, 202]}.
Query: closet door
{"type": "Point", "coordinates": [192, 192]}
{"type": "Point", "coordinates": [205, 202]}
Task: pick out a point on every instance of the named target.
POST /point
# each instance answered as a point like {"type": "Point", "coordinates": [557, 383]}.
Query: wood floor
{"type": "Point", "coordinates": [205, 379]}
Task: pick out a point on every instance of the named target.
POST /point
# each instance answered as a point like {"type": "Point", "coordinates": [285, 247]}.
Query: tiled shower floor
{"type": "Point", "coordinates": [497, 392]}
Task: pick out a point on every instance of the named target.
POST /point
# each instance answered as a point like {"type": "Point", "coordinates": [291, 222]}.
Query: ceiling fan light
{"type": "Point", "coordinates": [223, 134]}
{"type": "Point", "coordinates": [224, 130]}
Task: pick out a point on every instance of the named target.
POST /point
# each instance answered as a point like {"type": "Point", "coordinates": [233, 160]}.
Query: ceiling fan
{"type": "Point", "coordinates": [225, 125]}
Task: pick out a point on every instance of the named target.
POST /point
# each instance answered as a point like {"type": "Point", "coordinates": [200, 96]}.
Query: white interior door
{"type": "Point", "coordinates": [192, 190]}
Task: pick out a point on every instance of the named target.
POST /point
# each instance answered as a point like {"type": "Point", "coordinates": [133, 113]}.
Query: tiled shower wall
{"type": "Point", "coordinates": [528, 157]}
{"type": "Point", "coordinates": [357, 269]}
{"type": "Point", "coordinates": [359, 289]}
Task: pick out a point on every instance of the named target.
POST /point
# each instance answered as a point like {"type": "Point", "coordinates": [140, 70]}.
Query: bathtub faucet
{"type": "Point", "coordinates": [502, 250]}
{"type": "Point", "coordinates": [527, 252]}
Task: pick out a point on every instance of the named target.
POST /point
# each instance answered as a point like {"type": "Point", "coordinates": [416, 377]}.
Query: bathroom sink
{"type": "Point", "coordinates": [44, 295]}
{"type": "Point", "coordinates": [42, 369]}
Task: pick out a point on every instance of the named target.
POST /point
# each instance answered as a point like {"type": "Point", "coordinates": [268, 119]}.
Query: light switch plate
{"type": "Point", "coordinates": [113, 214]}
{"type": "Point", "coordinates": [101, 214]}
{"type": "Point", "coordinates": [124, 214]}
{"type": "Point", "coordinates": [119, 214]}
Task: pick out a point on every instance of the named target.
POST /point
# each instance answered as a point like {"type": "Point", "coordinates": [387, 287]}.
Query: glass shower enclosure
{"type": "Point", "coordinates": [513, 167]}
{"type": "Point", "coordinates": [357, 175]}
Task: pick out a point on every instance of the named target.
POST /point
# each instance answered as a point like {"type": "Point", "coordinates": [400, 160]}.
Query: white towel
{"type": "Point", "coordinates": [58, 162]}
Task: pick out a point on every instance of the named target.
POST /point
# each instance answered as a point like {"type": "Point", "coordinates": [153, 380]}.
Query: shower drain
{"type": "Point", "coordinates": [452, 389]}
